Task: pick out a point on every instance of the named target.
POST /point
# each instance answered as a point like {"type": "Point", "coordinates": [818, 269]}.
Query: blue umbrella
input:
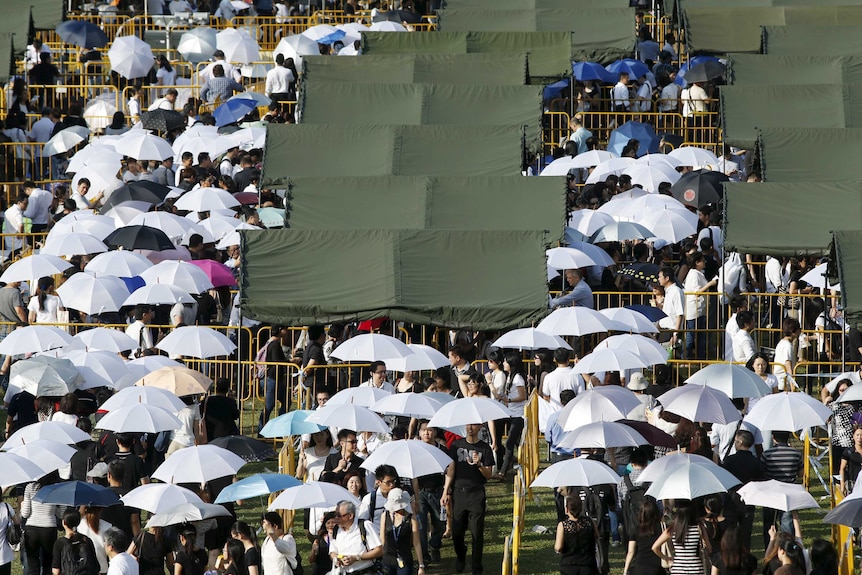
{"type": "Point", "coordinates": [257, 485]}
{"type": "Point", "coordinates": [553, 90]}
{"type": "Point", "coordinates": [233, 110]}
{"type": "Point", "coordinates": [82, 33]}
{"type": "Point", "coordinates": [573, 235]}
{"type": "Point", "coordinates": [75, 493]}
{"type": "Point", "coordinates": [592, 71]}
{"type": "Point", "coordinates": [291, 423]}
{"type": "Point", "coordinates": [332, 38]}
{"type": "Point", "coordinates": [652, 313]}
{"type": "Point", "coordinates": [643, 133]}
{"type": "Point", "coordinates": [635, 68]}
{"type": "Point", "coordinates": [134, 283]}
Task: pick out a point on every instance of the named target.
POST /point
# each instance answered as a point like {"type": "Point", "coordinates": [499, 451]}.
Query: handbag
{"type": "Point", "coordinates": [790, 302]}
{"type": "Point", "coordinates": [14, 533]}
{"type": "Point", "coordinates": [666, 548]}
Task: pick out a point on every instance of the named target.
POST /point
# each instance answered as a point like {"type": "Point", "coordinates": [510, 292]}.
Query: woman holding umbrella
{"type": "Point", "coordinates": [514, 397]}
{"type": "Point", "coordinates": [687, 541]}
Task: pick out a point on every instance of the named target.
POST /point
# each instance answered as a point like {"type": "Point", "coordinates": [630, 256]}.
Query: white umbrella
{"type": "Point", "coordinates": [659, 160]}
{"type": "Point", "coordinates": [157, 294]}
{"type": "Point", "coordinates": [34, 338]}
{"type": "Point", "coordinates": [97, 368]}
{"type": "Point", "coordinates": [371, 347]}
{"type": "Point", "coordinates": [206, 199]}
{"type": "Point", "coordinates": [621, 231]}
{"type": "Point", "coordinates": [633, 321]}
{"type": "Point", "coordinates": [47, 454]}
{"type": "Point", "coordinates": [199, 464]}
{"type": "Point", "coordinates": [18, 469]}
{"type": "Point", "coordinates": [387, 26]}
{"type": "Point", "coordinates": [107, 339]}
{"type": "Point", "coordinates": [296, 47]}
{"type": "Point", "coordinates": [689, 481]}
{"type": "Point", "coordinates": [188, 512]}
{"type": "Point", "coordinates": [92, 294]}
{"type": "Point", "coordinates": [559, 167]}
{"type": "Point", "coordinates": [124, 213]}
{"type": "Point", "coordinates": [65, 140]}
{"type": "Point", "coordinates": [231, 239]}
{"type": "Point", "coordinates": [198, 44]}
{"type": "Point", "coordinates": [102, 180]}
{"type": "Point", "coordinates": [848, 512]}
{"type": "Point", "coordinates": [577, 321]}
{"type": "Point", "coordinates": [620, 206]}
{"type": "Point", "coordinates": [700, 403]}
{"type": "Point", "coordinates": [588, 222]}
{"type": "Point", "coordinates": [732, 380]}
{"type": "Point", "coordinates": [663, 465]}
{"type": "Point", "coordinates": [154, 362]}
{"type": "Point", "coordinates": [159, 497]}
{"type": "Point", "coordinates": [44, 376]}
{"type": "Point", "coordinates": [130, 57]}
{"type": "Point", "coordinates": [248, 138]}
{"type": "Point", "coordinates": [787, 411]}
{"type": "Point", "coordinates": [599, 255]}
{"type": "Point", "coordinates": [417, 405]}
{"type": "Point", "coordinates": [815, 277]}
{"type": "Point", "coordinates": [73, 244]}
{"type": "Point", "coordinates": [602, 434]}
{"type": "Point", "coordinates": [363, 396]}
{"type": "Point", "coordinates": [136, 372]}
{"type": "Point", "coordinates": [237, 46]}
{"type": "Point", "coordinates": [605, 403]}
{"type": "Point", "coordinates": [777, 495]}
{"type": "Point", "coordinates": [650, 177]}
{"type": "Point", "coordinates": [99, 113]}
{"type": "Point", "coordinates": [214, 145]}
{"type": "Point", "coordinates": [98, 226]}
{"type": "Point", "coordinates": [173, 225]}
{"type": "Point", "coordinates": [95, 154]}
{"type": "Point", "coordinates": [142, 145]}
{"type": "Point", "coordinates": [53, 430]}
{"type": "Point", "coordinates": [693, 157]}
{"type": "Point", "coordinates": [568, 258]}
{"type": "Point", "coordinates": [592, 158]}
{"type": "Point", "coordinates": [576, 472]}
{"type": "Point", "coordinates": [139, 418]}
{"type": "Point", "coordinates": [468, 410]}
{"type": "Point", "coordinates": [181, 275]}
{"type": "Point", "coordinates": [647, 349]}
{"type": "Point", "coordinates": [121, 263]}
{"type": "Point", "coordinates": [424, 358]}
{"type": "Point", "coordinates": [671, 225]}
{"type": "Point", "coordinates": [319, 31]}
{"type": "Point", "coordinates": [144, 395]}
{"type": "Point", "coordinates": [255, 70]}
{"type": "Point", "coordinates": [34, 267]}
{"type": "Point", "coordinates": [613, 166]}
{"type": "Point", "coordinates": [219, 227]}
{"type": "Point", "coordinates": [606, 359]}
{"type": "Point", "coordinates": [312, 494]}
{"type": "Point", "coordinates": [197, 341]}
{"type": "Point", "coordinates": [409, 457]}
{"type": "Point", "coordinates": [348, 416]}
{"type": "Point", "coordinates": [529, 338]}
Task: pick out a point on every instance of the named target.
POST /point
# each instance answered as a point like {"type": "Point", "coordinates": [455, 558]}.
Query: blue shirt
{"type": "Point", "coordinates": [581, 294]}
{"type": "Point", "coordinates": [219, 88]}
{"type": "Point", "coordinates": [554, 434]}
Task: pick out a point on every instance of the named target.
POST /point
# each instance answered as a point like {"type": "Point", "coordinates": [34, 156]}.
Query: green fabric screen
{"type": "Point", "coordinates": [490, 69]}
{"type": "Point", "coordinates": [754, 69]}
{"type": "Point", "coordinates": [523, 4]}
{"type": "Point", "coordinates": [722, 30]}
{"type": "Point", "coordinates": [47, 14]}
{"type": "Point", "coordinates": [802, 40]}
{"type": "Point", "coordinates": [422, 276]}
{"type": "Point", "coordinates": [778, 218]}
{"type": "Point", "coordinates": [421, 104]}
{"type": "Point", "coordinates": [7, 56]}
{"type": "Point", "coordinates": [549, 53]}
{"type": "Point", "coordinates": [744, 109]}
{"type": "Point", "coordinates": [810, 154]}
{"type": "Point", "coordinates": [847, 257]}
{"type": "Point", "coordinates": [318, 150]}
{"type": "Point", "coordinates": [439, 202]}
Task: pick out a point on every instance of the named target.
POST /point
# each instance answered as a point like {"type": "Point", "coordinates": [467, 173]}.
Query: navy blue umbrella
{"type": "Point", "coordinates": [233, 110]}
{"type": "Point", "coordinates": [585, 71]}
{"type": "Point", "coordinates": [644, 133]}
{"type": "Point", "coordinates": [551, 91]}
{"type": "Point", "coordinates": [75, 493]}
{"type": "Point", "coordinates": [652, 313]}
{"type": "Point", "coordinates": [635, 68]}
{"type": "Point", "coordinates": [82, 33]}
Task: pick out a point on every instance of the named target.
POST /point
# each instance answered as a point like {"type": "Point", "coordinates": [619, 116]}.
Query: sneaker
{"type": "Point", "coordinates": [615, 543]}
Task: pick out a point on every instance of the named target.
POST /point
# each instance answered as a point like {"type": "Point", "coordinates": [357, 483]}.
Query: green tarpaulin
{"type": "Point", "coordinates": [546, 4]}
{"type": "Point", "coordinates": [754, 69]}
{"type": "Point", "coordinates": [441, 202]}
{"type": "Point", "coordinates": [810, 154]}
{"type": "Point", "coordinates": [7, 57]}
{"type": "Point", "coordinates": [778, 218]}
{"type": "Point", "coordinates": [47, 14]}
{"type": "Point", "coordinates": [549, 53]}
{"type": "Point", "coordinates": [421, 104]}
{"type": "Point", "coordinates": [744, 109]}
{"type": "Point", "coordinates": [476, 69]}
{"type": "Point", "coordinates": [482, 280]}
{"type": "Point", "coordinates": [722, 30]}
{"type": "Point", "coordinates": [310, 150]}
{"type": "Point", "coordinates": [846, 260]}
{"type": "Point", "coordinates": [813, 40]}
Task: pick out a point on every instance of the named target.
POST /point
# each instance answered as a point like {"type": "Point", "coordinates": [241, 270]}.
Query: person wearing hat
{"type": "Point", "coordinates": [399, 532]}
{"type": "Point", "coordinates": [637, 383]}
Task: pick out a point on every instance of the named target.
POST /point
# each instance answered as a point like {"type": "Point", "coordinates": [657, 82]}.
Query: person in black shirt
{"type": "Point", "coordinates": [220, 412]}
{"type": "Point", "coordinates": [190, 559]}
{"type": "Point", "coordinates": [313, 357]}
{"type": "Point", "coordinates": [276, 375]}
{"type": "Point", "coordinates": [746, 467]}
{"type": "Point", "coordinates": [122, 517]}
{"type": "Point", "coordinates": [473, 460]}
{"type": "Point", "coordinates": [344, 460]}
{"type": "Point", "coordinates": [430, 492]}
{"type": "Point", "coordinates": [135, 469]}
{"type": "Point", "coordinates": [22, 405]}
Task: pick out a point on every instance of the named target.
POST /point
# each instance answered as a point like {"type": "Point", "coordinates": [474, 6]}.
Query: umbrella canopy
{"type": "Point", "coordinates": [198, 44]}
{"type": "Point", "coordinates": [81, 33]}
{"type": "Point", "coordinates": [143, 395]}
{"type": "Point", "coordinates": [671, 225]}
{"type": "Point", "coordinates": [643, 133]}
{"type": "Point", "coordinates": [34, 267]}
{"type": "Point", "coordinates": [271, 217]}
{"type": "Point", "coordinates": [816, 277]}
{"type": "Point", "coordinates": [77, 493]}
{"type": "Point", "coordinates": [107, 339]}
{"type": "Point", "coordinates": [83, 222]}
{"type": "Point", "coordinates": [659, 160]}
{"type": "Point", "coordinates": [140, 191]}
{"type": "Point", "coordinates": [787, 411]}
{"type": "Point", "coordinates": [257, 485]}
{"type": "Point", "coordinates": [139, 418]}
{"type": "Point", "coordinates": [120, 263]}
{"type": "Point", "coordinates": [529, 338]}
{"type": "Point", "coordinates": [651, 433]}
{"type": "Point", "coordinates": [199, 464]}
{"type": "Point", "coordinates": [130, 57]}
{"type": "Point", "coordinates": [173, 225]}
{"type": "Point", "coordinates": [411, 458]}
{"type": "Point", "coordinates": [312, 494]}
{"type": "Point", "coordinates": [647, 349]}
{"type": "Point", "coordinates": [233, 111]}
{"type": "Point", "coordinates": [848, 512]}
{"type": "Point", "coordinates": [219, 274]}
{"type": "Point", "coordinates": [592, 158]}
{"type": "Point", "coordinates": [237, 46]}
{"type": "Point", "coordinates": [585, 71]}
{"type": "Point", "coordinates": [621, 231]}
{"type": "Point", "coordinates": [705, 71]}
{"type": "Point", "coordinates": [182, 275]}
{"type": "Point", "coordinates": [206, 199]}
{"type": "Point", "coordinates": [371, 347]}
{"type": "Point", "coordinates": [95, 153]}
{"type": "Point", "coordinates": [65, 140]}
{"type": "Point", "coordinates": [44, 376]}
{"type": "Point", "coordinates": [578, 321]}
{"type": "Point", "coordinates": [47, 454]}
{"type": "Point", "coordinates": [424, 358]}
{"type": "Point", "coordinates": [732, 380]}
{"type": "Point", "coordinates": [73, 244]}
{"type": "Point", "coordinates": [568, 258]}
{"type": "Point", "coordinates": [663, 465]}
{"type": "Point", "coordinates": [417, 405]}
{"type": "Point", "coordinates": [589, 222]}
{"type": "Point", "coordinates": [614, 166]}
{"type": "Point", "coordinates": [155, 362]}
{"type": "Point", "coordinates": [700, 403]}
{"type": "Point", "coordinates": [576, 472]}
{"type": "Point", "coordinates": [142, 145]}
{"type": "Point", "coordinates": [188, 512]}
{"type": "Point", "coordinates": [159, 497]}
{"type": "Point", "coordinates": [602, 434]}
{"type": "Point", "coordinates": [688, 481]}
{"type": "Point", "coordinates": [606, 359]}
{"type": "Point", "coordinates": [197, 341]}
{"type": "Point", "coordinates": [246, 447]}
{"type": "Point", "coordinates": [291, 423]}
{"type": "Point", "coordinates": [157, 294]}
{"type": "Point", "coordinates": [694, 157]}
{"type": "Point", "coordinates": [18, 469]}
{"type": "Point", "coordinates": [162, 120]}
{"type": "Point", "coordinates": [348, 416]}
{"type": "Point", "coordinates": [468, 410]}
{"type": "Point", "coordinates": [604, 403]}
{"type": "Point", "coordinates": [634, 68]}
{"type": "Point", "coordinates": [388, 26]}
{"type": "Point", "coordinates": [777, 495]}
{"type": "Point", "coordinates": [633, 321]}
{"type": "Point", "coordinates": [93, 294]}
{"type": "Point", "coordinates": [180, 381]}
{"type": "Point", "coordinates": [699, 187]}
{"type": "Point", "coordinates": [364, 396]}
{"type": "Point", "coordinates": [53, 430]}
{"type": "Point", "coordinates": [296, 47]}
{"type": "Point", "coordinates": [139, 238]}
{"type": "Point", "coordinates": [97, 368]}
{"type": "Point", "coordinates": [34, 338]}
{"type": "Point", "coordinates": [648, 311]}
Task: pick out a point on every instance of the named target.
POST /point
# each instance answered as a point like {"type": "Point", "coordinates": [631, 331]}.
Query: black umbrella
{"type": "Point", "coordinates": [705, 71]}
{"type": "Point", "coordinates": [643, 271]}
{"type": "Point", "coordinates": [651, 433]}
{"type": "Point", "coordinates": [82, 33]}
{"type": "Point", "coordinates": [139, 191]}
{"type": "Point", "coordinates": [162, 120]}
{"type": "Point", "coordinates": [140, 238]}
{"type": "Point", "coordinates": [699, 188]}
{"type": "Point", "coordinates": [246, 447]}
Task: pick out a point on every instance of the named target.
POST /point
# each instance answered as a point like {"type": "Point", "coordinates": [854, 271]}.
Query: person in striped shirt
{"type": "Point", "coordinates": [782, 463]}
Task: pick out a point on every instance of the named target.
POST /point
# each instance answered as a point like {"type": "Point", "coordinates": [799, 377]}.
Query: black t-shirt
{"type": "Point", "coordinates": [314, 350]}
{"type": "Point", "coordinates": [854, 343]}
{"type": "Point", "coordinates": [136, 468]}
{"type": "Point", "coordinates": [120, 516]}
{"type": "Point", "coordinates": [434, 481]}
{"type": "Point", "coordinates": [220, 415]}
{"type": "Point", "coordinates": [83, 459]}
{"type": "Point", "coordinates": [467, 475]}
{"type": "Point", "coordinates": [252, 558]}
{"type": "Point", "coordinates": [151, 553]}
{"type": "Point", "coordinates": [24, 406]}
{"type": "Point", "coordinates": [196, 564]}
{"type": "Point", "coordinates": [63, 542]}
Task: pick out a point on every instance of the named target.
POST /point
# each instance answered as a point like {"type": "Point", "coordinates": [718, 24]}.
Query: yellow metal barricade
{"type": "Point", "coordinates": [526, 472]}
{"type": "Point", "coordinates": [555, 128]}
{"type": "Point", "coordinates": [842, 540]}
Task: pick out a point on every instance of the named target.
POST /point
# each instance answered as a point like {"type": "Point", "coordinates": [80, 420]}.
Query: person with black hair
{"type": "Point", "coordinates": [82, 549]}
{"type": "Point", "coordinates": [313, 357]}
{"type": "Point", "coordinates": [824, 558]}
{"type": "Point", "coordinates": [342, 461]}
{"type": "Point", "coordinates": [782, 463]}
{"type": "Point", "coordinates": [514, 397]}
{"type": "Point", "coordinates": [372, 506]}
{"type": "Point", "coordinates": [278, 552]}
{"type": "Point", "coordinates": [319, 557]}
{"type": "Point", "coordinates": [191, 560]}
{"type": "Point", "coordinates": [40, 527]}
{"type": "Point", "coordinates": [745, 466]}
{"type": "Point", "coordinates": [576, 540]}
{"type": "Point", "coordinates": [687, 541]}
{"type": "Point", "coordinates": [140, 331]}
{"type": "Point", "coordinates": [733, 556]}
{"type": "Point", "coordinates": [561, 378]}
{"type": "Point", "coordinates": [220, 411]}
{"type": "Point", "coordinates": [276, 381]}
{"type": "Point", "coordinates": [44, 306]}
{"type": "Point", "coordinates": [640, 559]}
{"type": "Point", "coordinates": [241, 531]}
{"type": "Point", "coordinates": [121, 516]}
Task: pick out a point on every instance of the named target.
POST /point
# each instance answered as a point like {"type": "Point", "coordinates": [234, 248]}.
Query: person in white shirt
{"type": "Point", "coordinates": [743, 344]}
{"type": "Point", "coordinates": [378, 377]}
{"type": "Point", "coordinates": [192, 432]}
{"type": "Point", "coordinates": [119, 561]}
{"type": "Point", "coordinates": [672, 306]}
{"type": "Point", "coordinates": [620, 94]}
{"type": "Point", "coordinates": [279, 80]}
{"type": "Point", "coordinates": [167, 102]}
{"type": "Point", "coordinates": [278, 552]}
{"type": "Point", "coordinates": [348, 550]}
{"type": "Point", "coordinates": [230, 71]}
{"type": "Point", "coordinates": [561, 378]}
{"type": "Point", "coordinates": [33, 53]}
{"type": "Point", "coordinates": [722, 435]}
{"type": "Point", "coordinates": [737, 304]}
{"type": "Point", "coordinates": [13, 223]}
{"type": "Point", "coordinates": [695, 306]}
{"type": "Point", "coordinates": [372, 506]}
{"type": "Point", "coordinates": [80, 195]}
{"type": "Point", "coordinates": [134, 105]}
{"type": "Point", "coordinates": [644, 95]}
{"type": "Point", "coordinates": [139, 331]}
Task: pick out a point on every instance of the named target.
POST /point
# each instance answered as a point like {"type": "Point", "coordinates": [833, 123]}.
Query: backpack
{"type": "Point", "coordinates": [632, 503]}
{"type": "Point", "coordinates": [595, 509]}
{"type": "Point", "coordinates": [259, 361]}
{"type": "Point", "coordinates": [79, 557]}
{"type": "Point", "coordinates": [376, 567]}
{"type": "Point", "coordinates": [297, 570]}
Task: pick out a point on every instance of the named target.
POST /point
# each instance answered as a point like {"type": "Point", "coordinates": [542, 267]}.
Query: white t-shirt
{"type": "Point", "coordinates": [123, 564]}
{"type": "Point", "coordinates": [189, 416]}
{"type": "Point", "coordinates": [558, 380]}
{"type": "Point", "coordinates": [278, 556]}
{"type": "Point", "coordinates": [695, 305]}
{"type": "Point", "coordinates": [672, 307]}
{"type": "Point", "coordinates": [49, 310]}
{"type": "Point", "coordinates": [783, 353]}
{"type": "Point", "coordinates": [743, 346]}
{"type": "Point", "coordinates": [350, 543]}
{"type": "Point", "coordinates": [98, 541]}
{"type": "Point", "coordinates": [516, 408]}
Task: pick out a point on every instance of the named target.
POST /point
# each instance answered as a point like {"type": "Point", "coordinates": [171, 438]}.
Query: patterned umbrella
{"type": "Point", "coordinates": [162, 120]}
